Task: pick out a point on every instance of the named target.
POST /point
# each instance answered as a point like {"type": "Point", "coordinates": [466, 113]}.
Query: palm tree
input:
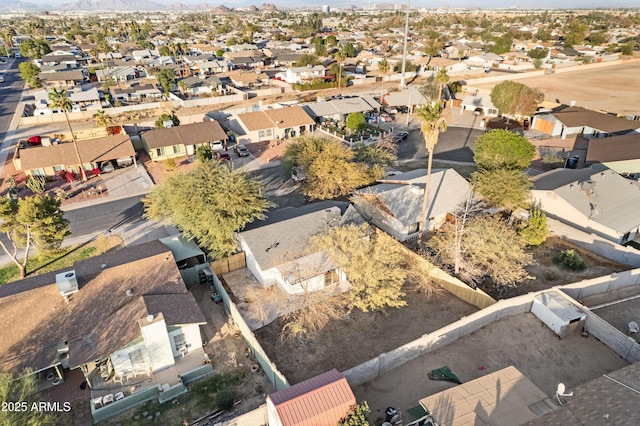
{"type": "Point", "coordinates": [441, 78]}
{"type": "Point", "coordinates": [101, 119]}
{"type": "Point", "coordinates": [59, 99]}
{"type": "Point", "coordinates": [432, 124]}
{"type": "Point", "coordinates": [339, 56]}
{"type": "Point", "coordinates": [383, 67]}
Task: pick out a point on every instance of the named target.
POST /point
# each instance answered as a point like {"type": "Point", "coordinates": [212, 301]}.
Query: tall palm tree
{"type": "Point", "coordinates": [59, 99]}
{"type": "Point", "coordinates": [441, 78]}
{"type": "Point", "coordinates": [432, 124]}
{"type": "Point", "coordinates": [339, 56]}
{"type": "Point", "coordinates": [102, 120]}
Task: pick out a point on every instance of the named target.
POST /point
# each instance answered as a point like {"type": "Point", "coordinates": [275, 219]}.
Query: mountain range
{"type": "Point", "coordinates": [123, 5]}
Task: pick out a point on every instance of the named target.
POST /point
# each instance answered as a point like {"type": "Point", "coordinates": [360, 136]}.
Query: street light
{"type": "Point", "coordinates": [406, 36]}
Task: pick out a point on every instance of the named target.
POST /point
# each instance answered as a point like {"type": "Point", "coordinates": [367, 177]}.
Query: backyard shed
{"type": "Point", "coordinates": [557, 312]}
{"type": "Point", "coordinates": [321, 400]}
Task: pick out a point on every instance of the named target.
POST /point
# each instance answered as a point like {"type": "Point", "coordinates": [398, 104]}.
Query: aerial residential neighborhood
{"type": "Point", "coordinates": [321, 214]}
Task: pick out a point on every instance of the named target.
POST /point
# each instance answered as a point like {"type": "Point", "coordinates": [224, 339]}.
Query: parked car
{"type": "Point", "coordinates": [400, 136]}
{"type": "Point", "coordinates": [241, 150]}
{"type": "Point", "coordinates": [1, 79]}
{"type": "Point", "coordinates": [107, 167]}
{"type": "Point", "coordinates": [385, 117]}
{"type": "Point", "coordinates": [34, 140]}
{"type": "Point", "coordinates": [216, 146]}
{"type": "Point", "coordinates": [222, 156]}
{"type": "Point", "coordinates": [298, 175]}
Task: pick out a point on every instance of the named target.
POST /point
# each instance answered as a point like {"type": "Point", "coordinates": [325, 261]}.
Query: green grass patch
{"type": "Point", "coordinates": [60, 259]}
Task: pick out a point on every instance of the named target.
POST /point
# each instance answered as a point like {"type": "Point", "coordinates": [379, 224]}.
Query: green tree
{"type": "Point", "coordinates": [575, 32]}
{"type": "Point", "coordinates": [502, 187]}
{"type": "Point", "coordinates": [516, 99]}
{"type": "Point", "coordinates": [441, 78]}
{"type": "Point", "coordinates": [374, 265]}
{"type": "Point", "coordinates": [167, 79]}
{"type": "Point", "coordinates": [59, 99]}
{"type": "Point", "coordinates": [349, 50]}
{"type": "Point", "coordinates": [331, 41]}
{"type": "Point", "coordinates": [22, 391]}
{"type": "Point", "coordinates": [377, 154]}
{"type": "Point", "coordinates": [329, 167]}
{"type": "Point", "coordinates": [503, 149]}
{"type": "Point", "coordinates": [307, 59]}
{"type": "Point", "coordinates": [486, 246]}
{"type": "Point", "coordinates": [164, 51]}
{"type": "Point", "coordinates": [340, 57]}
{"type": "Point", "coordinates": [30, 222]}
{"type": "Point", "coordinates": [34, 48]}
{"type": "Point", "coordinates": [356, 121]}
{"type": "Point", "coordinates": [203, 153]}
{"type": "Point", "coordinates": [208, 204]}
{"type": "Point", "coordinates": [30, 72]}
{"type": "Point", "coordinates": [627, 48]}
{"type": "Point", "coordinates": [538, 53]}
{"type": "Point", "coordinates": [432, 123]}
{"type": "Point", "coordinates": [357, 416]}
{"type": "Point", "coordinates": [501, 45]}
{"type": "Point", "coordinates": [535, 230]}
{"type": "Point", "coordinates": [167, 117]}
{"type": "Point", "coordinates": [383, 68]}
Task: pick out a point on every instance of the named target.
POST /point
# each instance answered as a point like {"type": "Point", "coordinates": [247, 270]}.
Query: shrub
{"type": "Point", "coordinates": [170, 164]}
{"type": "Point", "coordinates": [36, 184]}
{"type": "Point", "coordinates": [535, 231]}
{"type": "Point", "coordinates": [571, 260]}
{"type": "Point", "coordinates": [224, 399]}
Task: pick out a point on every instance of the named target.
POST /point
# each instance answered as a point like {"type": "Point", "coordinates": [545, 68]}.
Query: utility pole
{"type": "Point", "coordinates": [406, 36]}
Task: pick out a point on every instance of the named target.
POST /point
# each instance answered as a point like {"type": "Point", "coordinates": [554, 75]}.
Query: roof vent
{"type": "Point", "coordinates": [332, 213]}
{"type": "Point", "coordinates": [67, 283]}
{"type": "Point", "coordinates": [572, 103]}
{"type": "Point", "coordinates": [129, 292]}
{"type": "Point", "coordinates": [149, 317]}
{"type": "Point", "coordinates": [103, 266]}
{"type": "Point", "coordinates": [416, 190]}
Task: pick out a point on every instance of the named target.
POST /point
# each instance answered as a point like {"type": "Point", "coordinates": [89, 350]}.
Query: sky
{"type": "Point", "coordinates": [416, 3]}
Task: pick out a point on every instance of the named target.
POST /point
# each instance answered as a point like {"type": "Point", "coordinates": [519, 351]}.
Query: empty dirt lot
{"type": "Point", "coordinates": [520, 340]}
{"type": "Point", "coordinates": [610, 88]}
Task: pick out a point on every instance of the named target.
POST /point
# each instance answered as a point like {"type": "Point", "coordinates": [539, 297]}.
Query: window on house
{"type": "Point", "coordinates": [179, 341]}
{"type": "Point", "coordinates": [58, 168]}
{"type": "Point", "coordinates": [158, 152]}
{"type": "Point", "coordinates": [331, 277]}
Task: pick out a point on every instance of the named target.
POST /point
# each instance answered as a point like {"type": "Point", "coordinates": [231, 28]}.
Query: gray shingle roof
{"type": "Point", "coordinates": [284, 235]}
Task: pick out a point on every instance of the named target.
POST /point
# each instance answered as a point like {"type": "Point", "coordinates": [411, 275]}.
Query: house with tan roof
{"type": "Point", "coordinates": [248, 79]}
{"type": "Point", "coordinates": [321, 400]}
{"type": "Point", "coordinates": [577, 121]}
{"type": "Point", "coordinates": [50, 160]}
{"type": "Point", "coordinates": [124, 318]}
{"type": "Point", "coordinates": [181, 141]}
{"type": "Point", "coordinates": [272, 124]}
{"type": "Point", "coordinates": [61, 79]}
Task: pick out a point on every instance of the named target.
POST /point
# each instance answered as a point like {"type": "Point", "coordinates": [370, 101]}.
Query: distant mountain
{"type": "Point", "coordinates": [182, 6]}
{"type": "Point", "coordinates": [19, 5]}
{"type": "Point", "coordinates": [222, 9]}
{"type": "Point", "coordinates": [91, 5]}
{"type": "Point", "coordinates": [268, 7]}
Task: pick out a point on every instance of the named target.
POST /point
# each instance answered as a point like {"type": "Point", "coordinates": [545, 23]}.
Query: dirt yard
{"type": "Point", "coordinates": [521, 340]}
{"type": "Point", "coordinates": [613, 88]}
{"type": "Point", "coordinates": [360, 337]}
{"type": "Point", "coordinates": [548, 275]}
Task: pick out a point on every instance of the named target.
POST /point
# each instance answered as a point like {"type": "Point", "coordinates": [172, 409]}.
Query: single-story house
{"type": "Point", "coordinates": [59, 57]}
{"type": "Point", "coordinates": [142, 54]}
{"type": "Point", "coordinates": [180, 141]}
{"type": "Point", "coordinates": [277, 249]}
{"type": "Point", "coordinates": [124, 317]}
{"type": "Point", "coordinates": [599, 202]}
{"type": "Point", "coordinates": [62, 79]}
{"type": "Point", "coordinates": [573, 120]}
{"type": "Point", "coordinates": [410, 97]}
{"type": "Point", "coordinates": [210, 67]}
{"type": "Point", "coordinates": [618, 153]}
{"type": "Point", "coordinates": [395, 203]}
{"type": "Point", "coordinates": [248, 79]}
{"type": "Point", "coordinates": [434, 64]}
{"type": "Point", "coordinates": [135, 92]}
{"type": "Point", "coordinates": [322, 400]}
{"type": "Point", "coordinates": [196, 86]}
{"type": "Point", "coordinates": [49, 160]}
{"type": "Point", "coordinates": [473, 102]}
{"type": "Point", "coordinates": [272, 124]}
{"type": "Point", "coordinates": [119, 74]}
{"type": "Point", "coordinates": [339, 109]}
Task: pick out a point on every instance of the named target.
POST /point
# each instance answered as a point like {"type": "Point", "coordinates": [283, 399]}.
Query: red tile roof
{"type": "Point", "coordinates": [320, 401]}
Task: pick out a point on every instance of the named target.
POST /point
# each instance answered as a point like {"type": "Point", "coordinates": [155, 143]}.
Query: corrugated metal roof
{"type": "Point", "coordinates": [320, 401]}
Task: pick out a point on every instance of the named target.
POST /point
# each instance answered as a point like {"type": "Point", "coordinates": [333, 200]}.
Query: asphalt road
{"type": "Point", "coordinates": [106, 216]}
{"type": "Point", "coordinates": [456, 144]}
{"type": "Point", "coordinates": [10, 92]}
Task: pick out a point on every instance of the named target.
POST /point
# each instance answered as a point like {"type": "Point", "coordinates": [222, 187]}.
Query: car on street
{"type": "Point", "coordinates": [222, 156]}
{"type": "Point", "coordinates": [400, 136]}
{"type": "Point", "coordinates": [1, 79]}
{"type": "Point", "coordinates": [241, 150]}
{"type": "Point", "coordinates": [297, 174]}
{"type": "Point", "coordinates": [385, 117]}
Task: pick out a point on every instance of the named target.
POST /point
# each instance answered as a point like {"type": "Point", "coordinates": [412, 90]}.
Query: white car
{"type": "Point", "coordinates": [1, 79]}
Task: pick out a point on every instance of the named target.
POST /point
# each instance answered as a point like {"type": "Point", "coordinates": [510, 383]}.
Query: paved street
{"type": "Point", "coordinates": [10, 93]}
